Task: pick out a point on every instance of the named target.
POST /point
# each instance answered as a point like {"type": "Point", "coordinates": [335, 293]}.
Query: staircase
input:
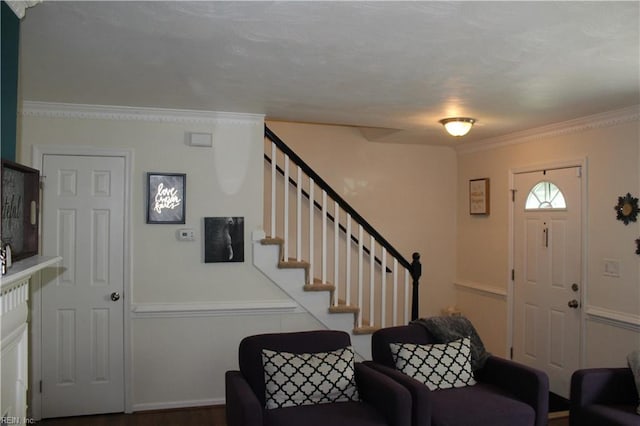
{"type": "Point", "coordinates": [333, 263]}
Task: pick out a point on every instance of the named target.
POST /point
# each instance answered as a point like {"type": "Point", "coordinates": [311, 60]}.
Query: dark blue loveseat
{"type": "Point", "coordinates": [383, 402]}
{"type": "Point", "coordinates": [603, 397]}
{"type": "Point", "coordinates": [506, 393]}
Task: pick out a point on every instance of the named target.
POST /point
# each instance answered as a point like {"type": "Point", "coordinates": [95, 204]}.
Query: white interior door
{"type": "Point", "coordinates": [547, 279]}
{"type": "Point", "coordinates": [82, 307]}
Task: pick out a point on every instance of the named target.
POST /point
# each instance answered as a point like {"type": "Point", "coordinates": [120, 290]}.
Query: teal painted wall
{"type": "Point", "coordinates": [10, 29]}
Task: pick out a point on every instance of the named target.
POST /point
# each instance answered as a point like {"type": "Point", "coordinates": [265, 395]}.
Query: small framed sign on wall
{"type": "Point", "coordinates": [166, 197]}
{"type": "Point", "coordinates": [479, 196]}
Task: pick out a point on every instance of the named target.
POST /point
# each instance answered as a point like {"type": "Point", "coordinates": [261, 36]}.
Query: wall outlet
{"type": "Point", "coordinates": [186, 234]}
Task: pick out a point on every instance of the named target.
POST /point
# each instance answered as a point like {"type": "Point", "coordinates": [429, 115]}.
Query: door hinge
{"type": "Point", "coordinates": [40, 386]}
{"type": "Point", "coordinates": [513, 195]}
{"type": "Point", "coordinates": [513, 275]}
{"type": "Point", "coordinates": [511, 353]}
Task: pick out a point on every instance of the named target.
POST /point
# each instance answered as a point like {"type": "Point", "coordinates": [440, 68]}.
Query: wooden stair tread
{"type": "Point", "coordinates": [365, 330]}
{"type": "Point", "coordinates": [292, 264]}
{"type": "Point", "coordinates": [318, 281]}
{"type": "Point", "coordinates": [271, 241]}
{"type": "Point", "coordinates": [344, 309]}
{"type": "Point", "coordinates": [319, 287]}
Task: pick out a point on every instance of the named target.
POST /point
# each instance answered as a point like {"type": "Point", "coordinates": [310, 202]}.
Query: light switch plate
{"type": "Point", "coordinates": [611, 268]}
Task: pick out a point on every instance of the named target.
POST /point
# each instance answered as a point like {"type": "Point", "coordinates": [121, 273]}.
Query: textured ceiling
{"type": "Point", "coordinates": [382, 65]}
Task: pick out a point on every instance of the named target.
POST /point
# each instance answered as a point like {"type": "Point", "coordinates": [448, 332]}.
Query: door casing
{"type": "Point", "coordinates": [35, 358]}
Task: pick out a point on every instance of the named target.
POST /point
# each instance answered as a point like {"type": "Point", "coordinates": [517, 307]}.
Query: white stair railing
{"type": "Point", "coordinates": [377, 304]}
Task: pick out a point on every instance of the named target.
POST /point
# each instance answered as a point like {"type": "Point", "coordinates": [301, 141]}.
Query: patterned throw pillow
{"type": "Point", "coordinates": [439, 366]}
{"type": "Point", "coordinates": [305, 379]}
{"type": "Point", "coordinates": [449, 328]}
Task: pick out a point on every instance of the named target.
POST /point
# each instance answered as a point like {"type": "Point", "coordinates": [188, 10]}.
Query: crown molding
{"type": "Point", "coordinates": [125, 113]}
{"type": "Point", "coordinates": [596, 121]}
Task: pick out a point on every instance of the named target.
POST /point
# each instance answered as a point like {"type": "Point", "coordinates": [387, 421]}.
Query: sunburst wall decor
{"type": "Point", "coordinates": [627, 209]}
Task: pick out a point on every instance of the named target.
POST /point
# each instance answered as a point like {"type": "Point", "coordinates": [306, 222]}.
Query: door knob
{"type": "Point", "coordinates": [575, 287]}
{"type": "Point", "coordinates": [115, 296]}
{"type": "Point", "coordinates": [573, 304]}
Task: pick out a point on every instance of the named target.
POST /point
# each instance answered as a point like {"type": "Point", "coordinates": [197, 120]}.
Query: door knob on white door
{"type": "Point", "coordinates": [573, 304]}
{"type": "Point", "coordinates": [115, 296]}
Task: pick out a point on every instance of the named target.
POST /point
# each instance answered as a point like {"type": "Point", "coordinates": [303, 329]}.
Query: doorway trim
{"type": "Point", "coordinates": [35, 357]}
{"type": "Point", "coordinates": [560, 164]}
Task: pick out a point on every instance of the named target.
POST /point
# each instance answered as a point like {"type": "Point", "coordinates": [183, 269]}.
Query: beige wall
{"type": "Point", "coordinates": [407, 192]}
{"type": "Point", "coordinates": [415, 195]}
{"type": "Point", "coordinates": [179, 359]}
{"type": "Point", "coordinates": [612, 154]}
{"type": "Point", "coordinates": [162, 147]}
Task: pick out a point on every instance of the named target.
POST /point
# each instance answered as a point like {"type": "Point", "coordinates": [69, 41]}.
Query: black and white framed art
{"type": "Point", "coordinates": [223, 239]}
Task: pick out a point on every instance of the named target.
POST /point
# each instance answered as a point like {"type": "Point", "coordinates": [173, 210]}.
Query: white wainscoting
{"type": "Point", "coordinates": [609, 336]}
{"type": "Point", "coordinates": [181, 351]}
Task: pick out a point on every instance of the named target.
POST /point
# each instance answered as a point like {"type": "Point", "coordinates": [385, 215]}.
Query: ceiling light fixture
{"type": "Point", "coordinates": [457, 126]}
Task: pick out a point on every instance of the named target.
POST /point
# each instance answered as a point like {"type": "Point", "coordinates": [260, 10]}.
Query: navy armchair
{"type": "Point", "coordinates": [602, 397]}
{"type": "Point", "coordinates": [505, 394]}
{"type": "Point", "coordinates": [381, 400]}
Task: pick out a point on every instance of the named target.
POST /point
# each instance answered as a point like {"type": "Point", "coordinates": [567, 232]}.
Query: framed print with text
{"type": "Point", "coordinates": [479, 196]}
{"type": "Point", "coordinates": [20, 209]}
{"type": "Point", "coordinates": [166, 197]}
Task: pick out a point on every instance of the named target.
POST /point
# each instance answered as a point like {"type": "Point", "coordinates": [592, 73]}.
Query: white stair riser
{"type": "Point", "coordinates": [291, 281]}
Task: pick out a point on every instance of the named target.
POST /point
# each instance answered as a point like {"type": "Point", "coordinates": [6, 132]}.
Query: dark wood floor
{"type": "Point", "coordinates": [559, 419]}
{"type": "Point", "coordinates": [205, 416]}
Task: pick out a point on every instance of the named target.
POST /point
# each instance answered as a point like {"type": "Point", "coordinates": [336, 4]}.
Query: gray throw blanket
{"type": "Point", "coordinates": [634, 364]}
{"type": "Point", "coordinates": [450, 328]}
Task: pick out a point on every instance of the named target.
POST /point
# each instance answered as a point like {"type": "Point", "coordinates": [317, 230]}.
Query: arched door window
{"type": "Point", "coordinates": [545, 195]}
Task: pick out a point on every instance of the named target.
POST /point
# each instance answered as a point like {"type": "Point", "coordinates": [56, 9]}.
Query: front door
{"type": "Point", "coordinates": [82, 306]}
{"type": "Point", "coordinates": [547, 278]}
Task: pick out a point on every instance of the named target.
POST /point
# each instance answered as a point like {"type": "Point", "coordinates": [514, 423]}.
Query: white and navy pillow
{"type": "Point", "coordinates": [446, 329]}
{"type": "Point", "coordinates": [439, 366]}
{"type": "Point", "coordinates": [305, 379]}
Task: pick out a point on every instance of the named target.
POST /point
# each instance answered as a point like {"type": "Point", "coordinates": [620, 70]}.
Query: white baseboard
{"type": "Point", "coordinates": [168, 405]}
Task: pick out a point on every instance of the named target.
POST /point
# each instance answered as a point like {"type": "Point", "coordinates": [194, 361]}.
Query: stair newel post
{"type": "Point", "coordinates": [416, 272]}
